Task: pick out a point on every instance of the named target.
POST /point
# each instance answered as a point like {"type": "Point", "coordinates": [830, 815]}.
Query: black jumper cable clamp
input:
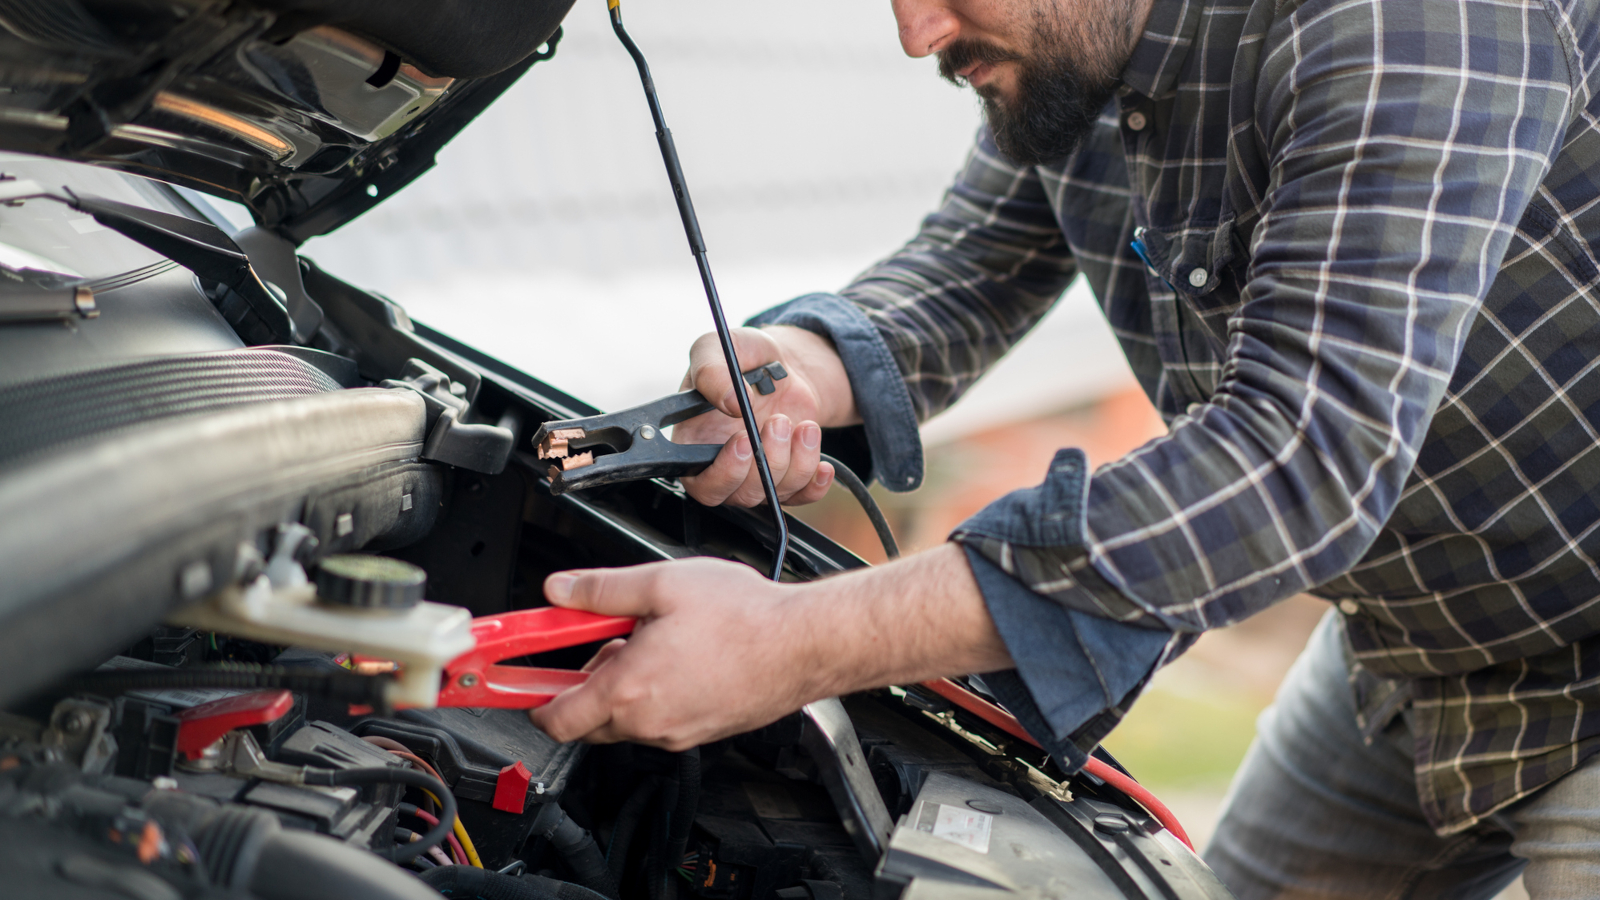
{"type": "Point", "coordinates": [632, 444]}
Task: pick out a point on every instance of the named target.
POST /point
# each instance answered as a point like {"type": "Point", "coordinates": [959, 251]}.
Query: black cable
{"type": "Point", "coordinates": [658, 869]}
{"type": "Point", "coordinates": [347, 687]}
{"type": "Point", "coordinates": [434, 836]}
{"type": "Point", "coordinates": [627, 825]}
{"type": "Point", "coordinates": [858, 489]}
{"type": "Point", "coordinates": [697, 246]}
{"type": "Point", "coordinates": [577, 846]}
{"type": "Point", "coordinates": [682, 822]}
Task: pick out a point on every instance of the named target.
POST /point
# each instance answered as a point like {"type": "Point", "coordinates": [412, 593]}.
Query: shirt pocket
{"type": "Point", "coordinates": [1203, 265]}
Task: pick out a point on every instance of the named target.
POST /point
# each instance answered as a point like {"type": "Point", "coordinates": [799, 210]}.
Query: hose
{"type": "Point", "coordinates": [435, 834]}
{"type": "Point", "coordinates": [299, 865]}
{"type": "Point", "coordinates": [858, 489]}
{"type": "Point", "coordinates": [659, 884]}
{"type": "Point", "coordinates": [576, 846]}
{"type": "Point", "coordinates": [682, 822]}
{"type": "Point", "coordinates": [341, 686]}
{"type": "Point", "coordinates": [481, 884]}
{"type": "Point", "coordinates": [627, 825]}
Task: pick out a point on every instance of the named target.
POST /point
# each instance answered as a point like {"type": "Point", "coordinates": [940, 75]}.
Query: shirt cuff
{"type": "Point", "coordinates": [1071, 667]}
{"type": "Point", "coordinates": [880, 390]}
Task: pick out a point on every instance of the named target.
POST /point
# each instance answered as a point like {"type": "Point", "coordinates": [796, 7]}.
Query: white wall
{"type": "Point", "coordinates": [548, 237]}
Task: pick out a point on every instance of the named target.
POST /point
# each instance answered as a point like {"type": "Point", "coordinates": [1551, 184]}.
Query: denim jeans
{"type": "Point", "coordinates": [1316, 812]}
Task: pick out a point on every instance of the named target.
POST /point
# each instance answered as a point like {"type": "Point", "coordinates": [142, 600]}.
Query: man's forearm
{"type": "Point", "coordinates": [919, 618]}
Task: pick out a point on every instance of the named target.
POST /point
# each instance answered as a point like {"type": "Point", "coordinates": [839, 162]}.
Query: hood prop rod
{"type": "Point", "coordinates": [697, 245]}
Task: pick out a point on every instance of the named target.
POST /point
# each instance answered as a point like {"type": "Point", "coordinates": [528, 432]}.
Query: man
{"type": "Point", "coordinates": [1349, 247]}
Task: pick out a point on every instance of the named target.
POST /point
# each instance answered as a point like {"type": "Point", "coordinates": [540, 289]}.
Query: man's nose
{"type": "Point", "coordinates": [926, 26]}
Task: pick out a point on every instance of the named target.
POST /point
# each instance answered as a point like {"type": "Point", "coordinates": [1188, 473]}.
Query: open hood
{"type": "Point", "coordinates": [309, 112]}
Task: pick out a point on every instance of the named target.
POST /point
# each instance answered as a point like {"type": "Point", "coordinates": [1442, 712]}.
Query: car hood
{"type": "Point", "coordinates": [309, 112]}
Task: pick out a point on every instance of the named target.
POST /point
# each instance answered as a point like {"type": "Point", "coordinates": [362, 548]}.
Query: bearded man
{"type": "Point", "coordinates": [1350, 250]}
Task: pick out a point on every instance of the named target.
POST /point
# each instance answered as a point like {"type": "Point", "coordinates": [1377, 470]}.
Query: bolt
{"type": "Point", "coordinates": [469, 679]}
{"type": "Point", "coordinates": [647, 432]}
{"type": "Point", "coordinates": [76, 722]}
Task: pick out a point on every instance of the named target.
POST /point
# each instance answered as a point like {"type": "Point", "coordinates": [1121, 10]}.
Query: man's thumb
{"type": "Point", "coordinates": [608, 592]}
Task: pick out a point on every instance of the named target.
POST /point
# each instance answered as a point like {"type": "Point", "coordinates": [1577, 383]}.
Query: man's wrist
{"type": "Point", "coordinates": [919, 618]}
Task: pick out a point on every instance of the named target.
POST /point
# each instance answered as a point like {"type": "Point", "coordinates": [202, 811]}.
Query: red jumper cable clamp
{"type": "Point", "coordinates": [477, 679]}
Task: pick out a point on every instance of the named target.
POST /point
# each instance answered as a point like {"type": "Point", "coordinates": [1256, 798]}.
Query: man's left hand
{"type": "Point", "coordinates": [719, 650]}
{"type": "Point", "coordinates": [713, 655]}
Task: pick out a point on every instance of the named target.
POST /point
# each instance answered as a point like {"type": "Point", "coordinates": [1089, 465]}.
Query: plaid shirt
{"type": "Point", "coordinates": [1371, 318]}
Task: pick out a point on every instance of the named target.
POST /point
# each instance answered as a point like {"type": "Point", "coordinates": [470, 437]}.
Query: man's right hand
{"type": "Point", "coordinates": [816, 394]}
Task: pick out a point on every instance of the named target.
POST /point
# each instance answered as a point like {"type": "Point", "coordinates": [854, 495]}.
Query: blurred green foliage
{"type": "Point", "coordinates": [1187, 740]}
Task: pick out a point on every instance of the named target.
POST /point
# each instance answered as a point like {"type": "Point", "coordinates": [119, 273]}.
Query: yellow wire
{"type": "Point", "coordinates": [460, 832]}
{"type": "Point", "coordinates": [466, 844]}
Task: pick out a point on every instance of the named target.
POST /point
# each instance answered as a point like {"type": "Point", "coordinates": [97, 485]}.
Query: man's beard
{"type": "Point", "coordinates": [1057, 102]}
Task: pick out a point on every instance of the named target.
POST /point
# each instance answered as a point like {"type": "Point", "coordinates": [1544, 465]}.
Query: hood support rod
{"type": "Point", "coordinates": [697, 245]}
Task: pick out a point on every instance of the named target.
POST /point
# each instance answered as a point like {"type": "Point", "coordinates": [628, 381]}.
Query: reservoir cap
{"type": "Point", "coordinates": [373, 582]}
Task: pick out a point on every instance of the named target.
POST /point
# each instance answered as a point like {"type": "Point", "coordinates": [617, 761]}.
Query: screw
{"type": "Point", "coordinates": [76, 722]}
{"type": "Point", "coordinates": [467, 680]}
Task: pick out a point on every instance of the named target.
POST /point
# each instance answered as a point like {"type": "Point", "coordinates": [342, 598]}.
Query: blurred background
{"type": "Point", "coordinates": [548, 237]}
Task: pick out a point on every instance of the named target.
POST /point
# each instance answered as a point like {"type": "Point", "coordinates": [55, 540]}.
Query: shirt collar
{"type": "Point", "coordinates": [1159, 56]}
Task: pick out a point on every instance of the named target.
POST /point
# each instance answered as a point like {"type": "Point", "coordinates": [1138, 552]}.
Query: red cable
{"type": "Point", "coordinates": [455, 845]}
{"type": "Point", "coordinates": [1008, 723]}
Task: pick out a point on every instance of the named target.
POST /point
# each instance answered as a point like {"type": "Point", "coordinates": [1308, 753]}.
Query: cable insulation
{"type": "Point", "coordinates": [388, 775]}
{"type": "Point", "coordinates": [469, 852]}
{"type": "Point", "coordinates": [1008, 723]}
{"type": "Point", "coordinates": [858, 489]}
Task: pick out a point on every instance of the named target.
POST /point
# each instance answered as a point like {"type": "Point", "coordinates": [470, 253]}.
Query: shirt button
{"type": "Point", "coordinates": [1349, 607]}
{"type": "Point", "coordinates": [1199, 277]}
{"type": "Point", "coordinates": [1137, 121]}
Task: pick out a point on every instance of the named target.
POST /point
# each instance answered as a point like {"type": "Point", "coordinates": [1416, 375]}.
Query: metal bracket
{"type": "Point", "coordinates": [476, 447]}
{"type": "Point", "coordinates": [828, 736]}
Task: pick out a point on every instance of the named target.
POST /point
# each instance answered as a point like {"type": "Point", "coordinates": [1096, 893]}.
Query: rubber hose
{"type": "Point", "coordinates": [410, 777]}
{"type": "Point", "coordinates": [627, 825]}
{"type": "Point", "coordinates": [300, 865]}
{"type": "Point", "coordinates": [657, 869]}
{"type": "Point", "coordinates": [577, 847]}
{"type": "Point", "coordinates": [563, 890]}
{"type": "Point", "coordinates": [682, 822]}
{"type": "Point", "coordinates": [469, 883]}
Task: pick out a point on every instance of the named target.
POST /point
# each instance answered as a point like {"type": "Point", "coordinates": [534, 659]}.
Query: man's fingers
{"type": "Point", "coordinates": [805, 451]}
{"type": "Point", "coordinates": [776, 439]}
{"type": "Point", "coordinates": [708, 368]}
{"type": "Point", "coordinates": [608, 650]}
{"type": "Point", "coordinates": [816, 490]}
{"type": "Point", "coordinates": [575, 713]}
{"type": "Point", "coordinates": [725, 473]}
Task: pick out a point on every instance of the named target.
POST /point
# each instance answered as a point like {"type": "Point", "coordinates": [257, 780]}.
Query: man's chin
{"type": "Point", "coordinates": [994, 99]}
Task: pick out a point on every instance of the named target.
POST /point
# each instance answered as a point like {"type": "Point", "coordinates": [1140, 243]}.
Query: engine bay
{"type": "Point", "coordinates": [223, 683]}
